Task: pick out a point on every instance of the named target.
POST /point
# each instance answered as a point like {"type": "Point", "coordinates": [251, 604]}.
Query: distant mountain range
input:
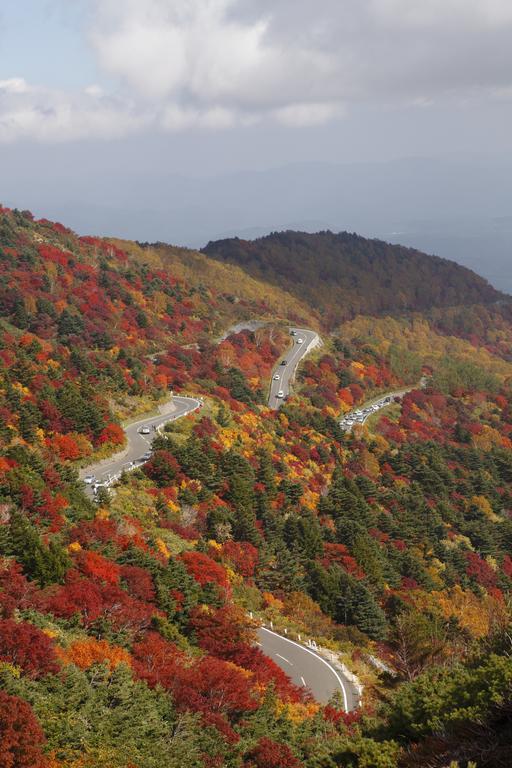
{"type": "Point", "coordinates": [454, 207]}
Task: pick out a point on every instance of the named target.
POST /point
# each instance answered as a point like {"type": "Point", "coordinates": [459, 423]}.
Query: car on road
{"type": "Point", "coordinates": [299, 341]}
{"type": "Point", "coordinates": [280, 393]}
{"type": "Point", "coordinates": [277, 377]}
{"type": "Point", "coordinates": [293, 333]}
{"type": "Point", "coordinates": [284, 362]}
{"type": "Point", "coordinates": [89, 479]}
{"type": "Point", "coordinates": [144, 431]}
{"type": "Point", "coordinates": [146, 456]}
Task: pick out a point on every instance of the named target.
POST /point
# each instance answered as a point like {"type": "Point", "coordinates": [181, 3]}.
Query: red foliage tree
{"type": "Point", "coordinates": [156, 661]}
{"type": "Point", "coordinates": [204, 569]}
{"type": "Point", "coordinates": [15, 590]}
{"type": "Point", "coordinates": [269, 754]}
{"type": "Point", "coordinates": [139, 582]}
{"type": "Point", "coordinates": [21, 736]}
{"type": "Point", "coordinates": [27, 647]}
{"type": "Point", "coordinates": [222, 632]}
{"type": "Point", "coordinates": [96, 566]}
{"type": "Point", "coordinates": [242, 555]}
{"type": "Point", "coordinates": [162, 468]}
{"type": "Point", "coordinates": [214, 687]}
{"type": "Point", "coordinates": [479, 570]}
{"type": "Point", "coordinates": [113, 434]}
{"type": "Point", "coordinates": [92, 599]}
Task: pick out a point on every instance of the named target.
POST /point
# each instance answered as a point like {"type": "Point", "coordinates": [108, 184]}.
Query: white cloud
{"type": "Point", "coordinates": [28, 112]}
{"type": "Point", "coordinates": [212, 64]}
{"type": "Point", "coordinates": [13, 85]}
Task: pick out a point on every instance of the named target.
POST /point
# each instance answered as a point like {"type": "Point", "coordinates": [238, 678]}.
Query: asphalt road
{"type": "Point", "coordinates": [382, 402]}
{"type": "Point", "coordinates": [307, 669]}
{"type": "Point", "coordinates": [137, 443]}
{"type": "Point", "coordinates": [293, 356]}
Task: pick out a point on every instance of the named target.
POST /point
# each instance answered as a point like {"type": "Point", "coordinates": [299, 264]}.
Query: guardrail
{"type": "Point", "coordinates": [324, 653]}
{"type": "Point", "coordinates": [130, 466]}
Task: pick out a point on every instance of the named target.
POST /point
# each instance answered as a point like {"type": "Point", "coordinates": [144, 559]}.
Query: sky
{"type": "Point", "coordinates": [108, 69]}
{"type": "Point", "coordinates": [94, 92]}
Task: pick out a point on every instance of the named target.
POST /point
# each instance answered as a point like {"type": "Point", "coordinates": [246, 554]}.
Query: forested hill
{"type": "Point", "coordinates": [345, 274]}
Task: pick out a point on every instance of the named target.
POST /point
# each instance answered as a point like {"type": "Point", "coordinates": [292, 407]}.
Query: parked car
{"type": "Point", "coordinates": [89, 479]}
{"type": "Point", "coordinates": [299, 341]}
{"type": "Point", "coordinates": [293, 333]}
{"type": "Point", "coordinates": [277, 377]}
{"type": "Point", "coordinates": [144, 431]}
{"type": "Point", "coordinates": [284, 362]}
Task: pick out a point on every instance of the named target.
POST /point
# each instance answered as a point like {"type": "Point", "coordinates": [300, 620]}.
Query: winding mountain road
{"type": "Point", "coordinates": [293, 357]}
{"type": "Point", "coordinates": [138, 443]}
{"type": "Point", "coordinates": [302, 664]}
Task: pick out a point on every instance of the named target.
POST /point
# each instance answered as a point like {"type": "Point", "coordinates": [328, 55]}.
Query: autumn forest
{"type": "Point", "coordinates": [128, 621]}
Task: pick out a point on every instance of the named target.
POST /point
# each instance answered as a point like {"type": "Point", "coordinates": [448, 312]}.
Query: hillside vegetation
{"type": "Point", "coordinates": [196, 269]}
{"type": "Point", "coordinates": [341, 275]}
{"type": "Point", "coordinates": [125, 637]}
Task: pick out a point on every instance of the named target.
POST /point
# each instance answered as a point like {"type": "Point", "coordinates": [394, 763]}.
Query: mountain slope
{"type": "Point", "coordinates": [344, 274]}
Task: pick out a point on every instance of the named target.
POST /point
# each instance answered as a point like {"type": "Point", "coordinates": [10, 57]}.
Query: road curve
{"type": "Point", "coordinates": [361, 414]}
{"type": "Point", "coordinates": [308, 669]}
{"type": "Point", "coordinates": [293, 357]}
{"type": "Point", "coordinates": [136, 443]}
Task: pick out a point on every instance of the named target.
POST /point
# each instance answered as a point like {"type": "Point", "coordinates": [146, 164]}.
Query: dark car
{"type": "Point", "coordinates": [284, 362]}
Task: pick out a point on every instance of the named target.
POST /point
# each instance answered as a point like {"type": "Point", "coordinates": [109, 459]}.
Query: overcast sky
{"type": "Point", "coordinates": [103, 100]}
{"type": "Point", "coordinates": [108, 69]}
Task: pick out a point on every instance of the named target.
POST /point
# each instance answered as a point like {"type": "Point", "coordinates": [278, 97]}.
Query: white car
{"type": "Point", "coordinates": [299, 341]}
{"type": "Point", "coordinates": [276, 377]}
{"type": "Point", "coordinates": [144, 431]}
{"type": "Point", "coordinates": [280, 393]}
{"type": "Point", "coordinates": [89, 479]}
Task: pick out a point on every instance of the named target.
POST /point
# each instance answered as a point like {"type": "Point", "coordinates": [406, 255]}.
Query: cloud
{"type": "Point", "coordinates": [174, 65]}
{"type": "Point", "coordinates": [27, 112]}
{"type": "Point", "coordinates": [264, 57]}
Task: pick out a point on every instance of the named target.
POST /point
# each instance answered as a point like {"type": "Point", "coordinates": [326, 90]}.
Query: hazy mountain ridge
{"type": "Point", "coordinates": [344, 274]}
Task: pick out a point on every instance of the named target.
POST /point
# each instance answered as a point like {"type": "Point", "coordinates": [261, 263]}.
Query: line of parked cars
{"type": "Point", "coordinates": [360, 415]}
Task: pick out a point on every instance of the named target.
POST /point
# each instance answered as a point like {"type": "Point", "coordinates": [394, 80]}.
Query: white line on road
{"type": "Point", "coordinates": [303, 682]}
{"type": "Point", "coordinates": [307, 650]}
{"type": "Point", "coordinates": [283, 658]}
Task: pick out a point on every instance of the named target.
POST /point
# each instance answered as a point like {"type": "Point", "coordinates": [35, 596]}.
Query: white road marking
{"type": "Point", "coordinates": [283, 658]}
{"type": "Point", "coordinates": [317, 656]}
{"type": "Point", "coordinates": [303, 682]}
